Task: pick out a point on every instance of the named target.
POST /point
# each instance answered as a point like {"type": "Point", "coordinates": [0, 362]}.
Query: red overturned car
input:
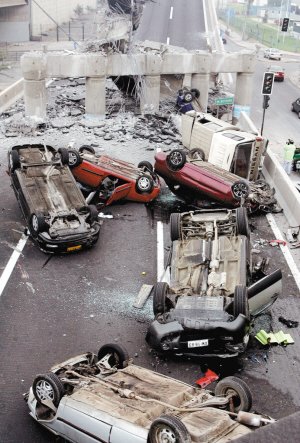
{"type": "Point", "coordinates": [108, 180]}
{"type": "Point", "coordinates": [203, 183]}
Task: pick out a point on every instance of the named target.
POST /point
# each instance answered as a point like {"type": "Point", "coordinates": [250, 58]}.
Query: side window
{"type": "Point", "coordinates": [241, 160]}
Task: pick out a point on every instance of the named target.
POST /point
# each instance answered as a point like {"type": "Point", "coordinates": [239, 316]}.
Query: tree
{"type": "Point", "coordinates": [274, 3]}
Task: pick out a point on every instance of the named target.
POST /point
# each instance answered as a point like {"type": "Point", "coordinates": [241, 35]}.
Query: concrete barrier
{"type": "Point", "coordinates": [287, 195]}
{"type": "Point", "coordinates": [11, 94]}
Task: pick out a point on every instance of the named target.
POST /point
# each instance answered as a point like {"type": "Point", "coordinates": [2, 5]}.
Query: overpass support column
{"type": "Point", "coordinates": [201, 82]}
{"type": "Point", "coordinates": [35, 97]}
{"type": "Point", "coordinates": [150, 93]}
{"type": "Point", "coordinates": [243, 95]}
{"type": "Point", "coordinates": [95, 96]}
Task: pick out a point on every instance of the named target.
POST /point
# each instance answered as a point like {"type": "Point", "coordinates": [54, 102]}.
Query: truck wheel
{"type": "Point", "coordinates": [175, 231]}
{"type": "Point", "coordinates": [168, 429]}
{"type": "Point", "coordinates": [240, 301]}
{"type": "Point", "coordinates": [239, 392]}
{"type": "Point", "coordinates": [176, 159]}
{"type": "Point", "coordinates": [117, 355]}
{"type": "Point", "coordinates": [240, 189]}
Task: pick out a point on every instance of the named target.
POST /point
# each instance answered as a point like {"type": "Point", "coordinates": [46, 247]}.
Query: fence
{"type": "Point", "coordinates": [71, 30]}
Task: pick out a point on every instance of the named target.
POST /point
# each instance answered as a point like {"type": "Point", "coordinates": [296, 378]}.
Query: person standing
{"type": "Point", "coordinates": [288, 155]}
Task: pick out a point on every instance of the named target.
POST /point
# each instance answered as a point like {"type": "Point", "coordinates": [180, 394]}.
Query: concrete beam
{"type": "Point", "coordinates": [35, 95]}
{"type": "Point", "coordinates": [149, 99]}
{"type": "Point", "coordinates": [243, 61]}
{"type": "Point", "coordinates": [95, 96]}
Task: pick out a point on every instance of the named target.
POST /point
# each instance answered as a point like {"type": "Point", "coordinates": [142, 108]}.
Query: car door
{"type": "Point", "coordinates": [264, 292]}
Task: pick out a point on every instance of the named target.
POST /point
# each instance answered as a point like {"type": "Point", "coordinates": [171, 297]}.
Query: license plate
{"type": "Point", "coordinates": [197, 343]}
{"type": "Point", "coordinates": [74, 248]}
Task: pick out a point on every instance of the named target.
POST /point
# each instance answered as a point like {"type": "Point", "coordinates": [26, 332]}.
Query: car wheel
{"type": "Point", "coordinates": [240, 189]}
{"type": "Point", "coordinates": [64, 155]}
{"type": "Point", "coordinates": [144, 184]}
{"type": "Point", "coordinates": [168, 429]}
{"type": "Point", "coordinates": [74, 158]}
{"type": "Point", "coordinates": [161, 303]}
{"type": "Point", "coordinates": [37, 224]}
{"type": "Point", "coordinates": [48, 387]}
{"type": "Point", "coordinates": [175, 230]}
{"type": "Point", "coordinates": [117, 355]}
{"type": "Point", "coordinates": [195, 92]}
{"type": "Point", "coordinates": [14, 160]}
{"type": "Point", "coordinates": [146, 166]}
{"type": "Point", "coordinates": [197, 154]}
{"type": "Point", "coordinates": [176, 159]}
{"type": "Point", "coordinates": [93, 214]}
{"type": "Point", "coordinates": [240, 301]}
{"type": "Point", "coordinates": [86, 148]}
{"type": "Point", "coordinates": [188, 97]}
{"type": "Point", "coordinates": [242, 223]}
{"type": "Point", "coordinates": [239, 392]}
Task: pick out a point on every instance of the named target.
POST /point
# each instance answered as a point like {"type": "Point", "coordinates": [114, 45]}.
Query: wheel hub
{"type": "Point", "coordinates": [35, 224]}
{"type": "Point", "coordinates": [72, 158]}
{"type": "Point", "coordinates": [44, 391]}
{"type": "Point", "coordinates": [144, 183]}
{"type": "Point", "coordinates": [176, 158]}
{"type": "Point", "coordinates": [166, 435]}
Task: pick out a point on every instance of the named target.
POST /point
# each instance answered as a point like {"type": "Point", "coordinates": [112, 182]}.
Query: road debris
{"type": "Point", "coordinates": [277, 242]}
{"type": "Point", "coordinates": [209, 377]}
{"type": "Point", "coordinates": [289, 323]}
{"type": "Point", "coordinates": [279, 338]}
{"type": "Point", "coordinates": [142, 296]}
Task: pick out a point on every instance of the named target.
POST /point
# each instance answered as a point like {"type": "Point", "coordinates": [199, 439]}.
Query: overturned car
{"type": "Point", "coordinates": [204, 184]}
{"type": "Point", "coordinates": [58, 217]}
{"type": "Point", "coordinates": [106, 180]}
{"type": "Point", "coordinates": [92, 398]}
{"type": "Point", "coordinates": [209, 294]}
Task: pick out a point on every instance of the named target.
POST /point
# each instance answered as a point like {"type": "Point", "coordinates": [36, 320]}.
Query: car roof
{"type": "Point", "coordinates": [275, 68]}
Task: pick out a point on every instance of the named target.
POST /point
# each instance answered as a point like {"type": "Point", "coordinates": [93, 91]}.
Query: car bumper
{"type": "Point", "coordinates": [173, 338]}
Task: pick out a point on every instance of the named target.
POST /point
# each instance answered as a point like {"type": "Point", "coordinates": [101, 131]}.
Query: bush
{"type": "Point", "coordinates": [78, 10]}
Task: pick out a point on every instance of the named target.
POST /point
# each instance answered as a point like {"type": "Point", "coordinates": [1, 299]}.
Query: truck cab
{"type": "Point", "coordinates": [224, 144]}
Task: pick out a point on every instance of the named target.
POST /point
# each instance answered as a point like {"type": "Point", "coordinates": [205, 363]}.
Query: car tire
{"type": "Point", "coordinates": [175, 222]}
{"type": "Point", "coordinates": [14, 160]}
{"type": "Point", "coordinates": [37, 224]}
{"type": "Point", "coordinates": [64, 155]}
{"type": "Point", "coordinates": [161, 303]}
{"type": "Point", "coordinates": [195, 92]}
{"type": "Point", "coordinates": [144, 184]}
{"type": "Point", "coordinates": [197, 154]}
{"type": "Point", "coordinates": [188, 97]}
{"type": "Point", "coordinates": [168, 428]}
{"type": "Point", "coordinates": [74, 158]}
{"type": "Point", "coordinates": [242, 222]}
{"type": "Point", "coordinates": [146, 166]}
{"type": "Point", "coordinates": [176, 159]}
{"type": "Point", "coordinates": [48, 387]}
{"type": "Point", "coordinates": [118, 355]}
{"type": "Point", "coordinates": [240, 189]}
{"type": "Point", "coordinates": [241, 394]}
{"type": "Point", "coordinates": [86, 148]}
{"type": "Point", "coordinates": [240, 301]}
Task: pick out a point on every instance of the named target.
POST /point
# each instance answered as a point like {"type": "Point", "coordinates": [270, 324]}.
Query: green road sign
{"type": "Point", "coordinates": [224, 101]}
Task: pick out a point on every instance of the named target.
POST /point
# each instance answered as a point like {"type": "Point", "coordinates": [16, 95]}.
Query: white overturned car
{"type": "Point", "coordinates": [103, 399]}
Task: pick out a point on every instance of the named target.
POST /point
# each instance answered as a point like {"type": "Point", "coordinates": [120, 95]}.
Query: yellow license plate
{"type": "Point", "coordinates": [74, 248]}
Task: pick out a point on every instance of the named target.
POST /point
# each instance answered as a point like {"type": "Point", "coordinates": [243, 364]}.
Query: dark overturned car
{"type": "Point", "coordinates": [210, 291]}
{"type": "Point", "coordinates": [206, 185]}
{"type": "Point", "coordinates": [58, 217]}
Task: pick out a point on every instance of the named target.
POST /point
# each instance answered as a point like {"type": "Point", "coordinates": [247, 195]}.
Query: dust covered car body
{"type": "Point", "coordinates": [52, 204]}
{"type": "Point", "coordinates": [109, 180]}
{"type": "Point", "coordinates": [101, 398]}
{"type": "Point", "coordinates": [208, 295]}
{"type": "Point", "coordinates": [203, 183]}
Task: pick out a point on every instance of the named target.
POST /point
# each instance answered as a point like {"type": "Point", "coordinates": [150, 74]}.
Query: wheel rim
{"type": "Point", "coordinates": [240, 190]}
{"type": "Point", "coordinates": [35, 223]}
{"type": "Point", "coordinates": [176, 158]}
{"type": "Point", "coordinates": [144, 183]}
{"type": "Point", "coordinates": [188, 97]}
{"type": "Point", "coordinates": [72, 158]}
{"type": "Point", "coordinates": [164, 434]}
{"type": "Point", "coordinates": [44, 390]}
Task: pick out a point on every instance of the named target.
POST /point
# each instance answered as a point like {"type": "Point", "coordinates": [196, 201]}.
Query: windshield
{"type": "Point", "coordinates": [241, 160]}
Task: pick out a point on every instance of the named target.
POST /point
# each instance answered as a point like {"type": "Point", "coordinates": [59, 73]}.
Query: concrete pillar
{"type": "Point", "coordinates": [95, 96]}
{"type": "Point", "coordinates": [243, 95]}
{"type": "Point", "coordinates": [35, 95]}
{"type": "Point", "coordinates": [150, 93]}
{"type": "Point", "coordinates": [201, 82]}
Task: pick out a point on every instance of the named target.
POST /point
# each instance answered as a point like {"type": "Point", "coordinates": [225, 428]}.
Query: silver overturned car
{"type": "Point", "coordinates": [209, 294]}
{"type": "Point", "coordinates": [105, 399]}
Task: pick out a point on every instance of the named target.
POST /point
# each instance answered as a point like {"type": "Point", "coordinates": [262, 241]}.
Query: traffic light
{"type": "Point", "coordinates": [267, 83]}
{"type": "Point", "coordinates": [266, 101]}
{"type": "Point", "coordinates": [285, 24]}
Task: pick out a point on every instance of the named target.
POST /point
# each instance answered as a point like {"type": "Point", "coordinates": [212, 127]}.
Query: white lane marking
{"type": "Point", "coordinates": [285, 250]}
{"type": "Point", "coordinates": [12, 262]}
{"type": "Point", "coordinates": [168, 40]}
{"type": "Point", "coordinates": [171, 13]}
{"type": "Point", "coordinates": [160, 249]}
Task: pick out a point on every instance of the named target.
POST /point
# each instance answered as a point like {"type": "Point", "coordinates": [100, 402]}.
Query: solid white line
{"type": "Point", "coordinates": [171, 13]}
{"type": "Point", "coordinates": [160, 249]}
{"type": "Point", "coordinates": [168, 40]}
{"type": "Point", "coordinates": [285, 250]}
{"type": "Point", "coordinates": [12, 262]}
